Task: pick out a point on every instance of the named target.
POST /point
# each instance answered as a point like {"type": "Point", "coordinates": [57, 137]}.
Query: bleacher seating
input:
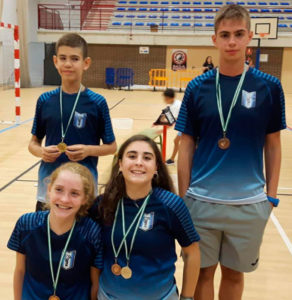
{"type": "Point", "coordinates": [141, 14]}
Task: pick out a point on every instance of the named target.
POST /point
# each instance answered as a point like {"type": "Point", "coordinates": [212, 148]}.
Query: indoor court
{"type": "Point", "coordinates": [19, 176]}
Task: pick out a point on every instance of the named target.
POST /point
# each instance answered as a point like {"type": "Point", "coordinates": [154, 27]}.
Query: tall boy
{"type": "Point", "coordinates": [72, 118]}
{"type": "Point", "coordinates": [237, 113]}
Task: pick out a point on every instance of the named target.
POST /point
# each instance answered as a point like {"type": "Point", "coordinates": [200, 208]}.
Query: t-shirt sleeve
{"type": "Point", "coordinates": [38, 128]}
{"type": "Point", "coordinates": [181, 224]}
{"type": "Point", "coordinates": [16, 238]}
{"type": "Point", "coordinates": [186, 121]}
{"type": "Point", "coordinates": [277, 120]}
{"type": "Point", "coordinates": [96, 242]}
{"type": "Point", "coordinates": [108, 133]}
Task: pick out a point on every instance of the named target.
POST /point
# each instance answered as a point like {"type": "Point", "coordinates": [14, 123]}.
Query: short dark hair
{"type": "Point", "coordinates": [232, 11]}
{"type": "Point", "coordinates": [73, 40]}
{"type": "Point", "coordinates": [169, 93]}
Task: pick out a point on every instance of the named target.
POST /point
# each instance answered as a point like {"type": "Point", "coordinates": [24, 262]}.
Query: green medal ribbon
{"type": "Point", "coordinates": [126, 233]}
{"type": "Point", "coordinates": [55, 280]}
{"type": "Point", "coordinates": [72, 112]}
{"type": "Point", "coordinates": [234, 100]}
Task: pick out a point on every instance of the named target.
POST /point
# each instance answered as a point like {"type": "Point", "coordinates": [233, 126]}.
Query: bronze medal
{"type": "Point", "coordinates": [224, 143]}
{"type": "Point", "coordinates": [116, 269]}
{"type": "Point", "coordinates": [62, 147]}
{"type": "Point", "coordinates": [126, 272]}
{"type": "Point", "coordinates": [54, 297]}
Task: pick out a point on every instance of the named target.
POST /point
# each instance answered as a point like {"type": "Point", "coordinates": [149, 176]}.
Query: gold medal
{"type": "Point", "coordinates": [62, 147]}
{"type": "Point", "coordinates": [126, 272]}
{"type": "Point", "coordinates": [224, 143]}
{"type": "Point", "coordinates": [116, 269]}
{"type": "Point", "coordinates": [54, 297]}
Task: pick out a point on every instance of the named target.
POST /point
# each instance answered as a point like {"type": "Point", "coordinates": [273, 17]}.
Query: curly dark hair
{"type": "Point", "coordinates": [115, 188]}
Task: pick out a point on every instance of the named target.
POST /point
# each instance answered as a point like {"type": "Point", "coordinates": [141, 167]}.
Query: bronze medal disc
{"type": "Point", "coordinates": [54, 297]}
{"type": "Point", "coordinates": [116, 269]}
{"type": "Point", "coordinates": [62, 147]}
{"type": "Point", "coordinates": [224, 143]}
{"type": "Point", "coordinates": [126, 272]}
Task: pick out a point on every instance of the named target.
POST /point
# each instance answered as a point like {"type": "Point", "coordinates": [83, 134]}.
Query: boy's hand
{"type": "Point", "coordinates": [50, 153]}
{"type": "Point", "coordinates": [76, 152]}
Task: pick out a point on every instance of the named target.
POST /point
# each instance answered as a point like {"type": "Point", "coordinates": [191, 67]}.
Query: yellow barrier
{"type": "Point", "coordinates": [172, 79]}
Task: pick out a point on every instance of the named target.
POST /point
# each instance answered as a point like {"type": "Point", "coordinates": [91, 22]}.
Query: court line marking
{"type": "Point", "coordinates": [16, 125]}
{"type": "Point", "coordinates": [282, 232]}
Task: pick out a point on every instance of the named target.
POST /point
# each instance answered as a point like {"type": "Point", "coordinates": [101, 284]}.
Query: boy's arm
{"type": "Point", "coordinates": [191, 270]}
{"type": "Point", "coordinates": [94, 275]}
{"type": "Point", "coordinates": [184, 163]}
{"type": "Point", "coordinates": [79, 152]}
{"type": "Point", "coordinates": [47, 154]}
{"type": "Point", "coordinates": [272, 162]}
{"type": "Point", "coordinates": [18, 276]}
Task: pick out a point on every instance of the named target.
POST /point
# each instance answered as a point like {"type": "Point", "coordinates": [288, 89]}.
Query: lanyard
{"type": "Point", "coordinates": [72, 112]}
{"type": "Point", "coordinates": [55, 280]}
{"type": "Point", "coordinates": [234, 100]}
{"type": "Point", "coordinates": [126, 233]}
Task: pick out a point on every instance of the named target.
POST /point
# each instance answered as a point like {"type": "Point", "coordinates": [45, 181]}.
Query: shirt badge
{"type": "Point", "coordinates": [69, 259]}
{"type": "Point", "coordinates": [147, 222]}
{"type": "Point", "coordinates": [248, 100]}
{"type": "Point", "coordinates": [79, 119]}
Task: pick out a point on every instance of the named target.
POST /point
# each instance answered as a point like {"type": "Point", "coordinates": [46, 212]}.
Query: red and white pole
{"type": "Point", "coordinates": [16, 68]}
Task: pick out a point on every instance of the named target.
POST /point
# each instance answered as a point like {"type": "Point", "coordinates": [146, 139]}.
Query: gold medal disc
{"type": "Point", "coordinates": [116, 269]}
{"type": "Point", "coordinates": [224, 143]}
{"type": "Point", "coordinates": [62, 147]}
{"type": "Point", "coordinates": [126, 272]}
{"type": "Point", "coordinates": [54, 297]}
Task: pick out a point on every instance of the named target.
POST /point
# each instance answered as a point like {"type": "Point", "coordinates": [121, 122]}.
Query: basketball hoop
{"type": "Point", "coordinates": [263, 35]}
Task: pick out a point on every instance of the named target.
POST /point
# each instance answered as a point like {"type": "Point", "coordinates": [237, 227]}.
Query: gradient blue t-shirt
{"type": "Point", "coordinates": [234, 175]}
{"type": "Point", "coordinates": [29, 237]}
{"type": "Point", "coordinates": [90, 124]}
{"type": "Point", "coordinates": [153, 257]}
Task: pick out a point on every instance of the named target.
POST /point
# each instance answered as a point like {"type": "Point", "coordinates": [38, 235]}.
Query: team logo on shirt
{"type": "Point", "coordinates": [69, 259]}
{"type": "Point", "coordinates": [79, 119]}
{"type": "Point", "coordinates": [147, 221]}
{"type": "Point", "coordinates": [248, 100]}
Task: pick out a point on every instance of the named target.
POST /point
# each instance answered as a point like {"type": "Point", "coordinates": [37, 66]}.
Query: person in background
{"type": "Point", "coordinates": [208, 64]}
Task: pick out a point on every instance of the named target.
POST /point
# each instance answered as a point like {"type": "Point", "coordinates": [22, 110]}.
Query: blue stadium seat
{"type": "Point", "coordinates": [153, 9]}
{"type": "Point", "coordinates": [132, 2]}
{"type": "Point", "coordinates": [151, 24]}
{"type": "Point", "coordinates": [163, 24]}
{"type": "Point", "coordinates": [198, 24]}
{"type": "Point", "coordinates": [144, 2]}
{"type": "Point", "coordinates": [164, 9]}
{"type": "Point", "coordinates": [163, 17]}
{"type": "Point", "coordinates": [175, 9]}
{"type": "Point", "coordinates": [186, 3]}
{"type": "Point", "coordinates": [265, 10]}
{"type": "Point", "coordinates": [141, 16]}
{"type": "Point", "coordinates": [174, 24]}
{"type": "Point", "coordinates": [284, 3]}
{"type": "Point", "coordinates": [152, 17]}
{"type": "Point", "coordinates": [253, 10]}
{"type": "Point", "coordinates": [281, 18]}
{"type": "Point", "coordinates": [197, 9]}
{"type": "Point", "coordinates": [122, 2]}
{"type": "Point", "coordinates": [240, 3]}
{"type": "Point", "coordinates": [277, 10]}
{"type": "Point", "coordinates": [251, 3]}
{"type": "Point", "coordinates": [289, 18]}
{"type": "Point", "coordinates": [282, 25]}
{"type": "Point", "coordinates": [128, 24]}
{"type": "Point", "coordinates": [186, 9]}
{"type": "Point", "coordinates": [208, 9]}
{"type": "Point", "coordinates": [273, 3]}
{"type": "Point", "coordinates": [198, 17]}
{"type": "Point", "coordinates": [218, 3]}
{"type": "Point", "coordinates": [197, 3]}
{"type": "Point", "coordinates": [287, 10]}
{"type": "Point", "coordinates": [186, 17]}
{"type": "Point", "coordinates": [139, 24]}
{"type": "Point", "coordinates": [121, 8]}
{"type": "Point", "coordinates": [175, 17]}
{"type": "Point", "coordinates": [142, 8]}
{"type": "Point", "coordinates": [130, 16]}
{"type": "Point", "coordinates": [291, 25]}
{"type": "Point", "coordinates": [164, 3]}
{"type": "Point", "coordinates": [154, 2]}
{"type": "Point", "coordinates": [209, 17]}
{"type": "Point", "coordinates": [209, 24]}
{"type": "Point", "coordinates": [119, 16]}
{"type": "Point", "coordinates": [207, 3]}
{"type": "Point", "coordinates": [186, 24]}
{"type": "Point", "coordinates": [116, 23]}
{"type": "Point", "coordinates": [263, 3]}
{"type": "Point", "coordinates": [132, 9]}
{"type": "Point", "coordinates": [175, 2]}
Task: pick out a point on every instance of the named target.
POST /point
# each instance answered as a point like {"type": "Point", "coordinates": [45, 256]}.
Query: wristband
{"type": "Point", "coordinates": [274, 201]}
{"type": "Point", "coordinates": [185, 298]}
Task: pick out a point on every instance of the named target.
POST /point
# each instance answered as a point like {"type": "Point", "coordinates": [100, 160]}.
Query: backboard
{"type": "Point", "coordinates": [266, 28]}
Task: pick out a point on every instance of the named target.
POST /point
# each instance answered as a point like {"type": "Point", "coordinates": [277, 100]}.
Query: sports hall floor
{"type": "Point", "coordinates": [18, 174]}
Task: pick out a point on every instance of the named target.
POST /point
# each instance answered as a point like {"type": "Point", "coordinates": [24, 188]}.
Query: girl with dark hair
{"type": "Point", "coordinates": [208, 64]}
{"type": "Point", "coordinates": [142, 218]}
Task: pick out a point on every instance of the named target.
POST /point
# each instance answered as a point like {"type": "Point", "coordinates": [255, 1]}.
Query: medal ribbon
{"type": "Point", "coordinates": [234, 100]}
{"type": "Point", "coordinates": [55, 281]}
{"type": "Point", "coordinates": [126, 233]}
{"type": "Point", "coordinates": [72, 112]}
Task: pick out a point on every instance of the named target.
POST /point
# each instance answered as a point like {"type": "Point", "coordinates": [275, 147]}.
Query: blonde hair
{"type": "Point", "coordinates": [87, 181]}
{"type": "Point", "coordinates": [232, 11]}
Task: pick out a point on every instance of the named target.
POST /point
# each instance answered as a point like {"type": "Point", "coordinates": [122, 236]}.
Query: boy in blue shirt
{"type": "Point", "coordinates": [72, 118]}
{"type": "Point", "coordinates": [236, 113]}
